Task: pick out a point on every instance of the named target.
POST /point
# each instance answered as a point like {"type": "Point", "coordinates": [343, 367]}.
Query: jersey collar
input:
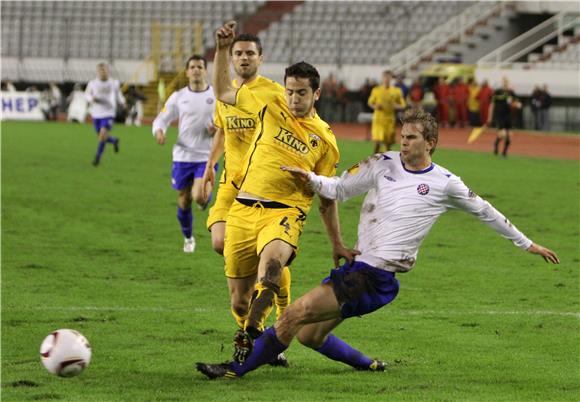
{"type": "Point", "coordinates": [426, 170]}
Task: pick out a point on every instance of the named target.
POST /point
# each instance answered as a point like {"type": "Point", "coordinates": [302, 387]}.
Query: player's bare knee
{"type": "Point", "coordinates": [218, 246]}
{"type": "Point", "coordinates": [310, 339]}
{"type": "Point", "coordinates": [292, 317]}
{"type": "Point", "coordinates": [198, 199]}
{"type": "Point", "coordinates": [240, 307]}
{"type": "Point", "coordinates": [273, 274]}
{"type": "Point", "coordinates": [184, 200]}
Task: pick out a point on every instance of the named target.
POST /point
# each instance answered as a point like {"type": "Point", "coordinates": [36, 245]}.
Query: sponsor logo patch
{"type": "Point", "coordinates": [288, 138]}
{"type": "Point", "coordinates": [237, 123]}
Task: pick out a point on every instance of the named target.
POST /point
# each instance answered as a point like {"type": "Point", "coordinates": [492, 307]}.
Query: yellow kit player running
{"type": "Point", "coordinates": [267, 218]}
{"type": "Point", "coordinates": [385, 100]}
{"type": "Point", "coordinates": [236, 129]}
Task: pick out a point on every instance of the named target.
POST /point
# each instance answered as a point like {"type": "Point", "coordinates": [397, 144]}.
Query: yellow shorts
{"type": "Point", "coordinates": [251, 228]}
{"type": "Point", "coordinates": [383, 130]}
{"type": "Point", "coordinates": [224, 199]}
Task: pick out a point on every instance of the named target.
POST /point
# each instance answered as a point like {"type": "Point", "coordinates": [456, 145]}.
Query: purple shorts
{"type": "Point", "coordinates": [183, 173]}
{"type": "Point", "coordinates": [361, 289]}
{"type": "Point", "coordinates": [106, 122]}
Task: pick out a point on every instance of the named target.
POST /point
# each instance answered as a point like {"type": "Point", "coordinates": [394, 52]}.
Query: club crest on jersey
{"type": "Point", "coordinates": [423, 189]}
{"type": "Point", "coordinates": [288, 138]}
{"type": "Point", "coordinates": [314, 141]}
{"type": "Point", "coordinates": [239, 123]}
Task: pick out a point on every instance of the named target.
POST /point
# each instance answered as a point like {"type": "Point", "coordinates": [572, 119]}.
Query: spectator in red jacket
{"type": "Point", "coordinates": [442, 94]}
{"type": "Point", "coordinates": [461, 96]}
{"type": "Point", "coordinates": [484, 98]}
{"type": "Point", "coordinates": [416, 94]}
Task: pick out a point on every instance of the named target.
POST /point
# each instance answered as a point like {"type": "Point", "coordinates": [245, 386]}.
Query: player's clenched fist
{"type": "Point", "coordinates": [224, 36]}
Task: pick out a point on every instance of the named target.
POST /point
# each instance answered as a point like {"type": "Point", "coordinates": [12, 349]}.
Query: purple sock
{"type": "Point", "coordinates": [266, 348]}
{"type": "Point", "coordinates": [100, 150]}
{"type": "Point", "coordinates": [185, 218]}
{"type": "Point", "coordinates": [112, 140]}
{"type": "Point", "coordinates": [336, 349]}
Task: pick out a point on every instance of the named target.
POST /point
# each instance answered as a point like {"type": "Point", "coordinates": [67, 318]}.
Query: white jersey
{"type": "Point", "coordinates": [195, 113]}
{"type": "Point", "coordinates": [401, 206]}
{"type": "Point", "coordinates": [103, 97]}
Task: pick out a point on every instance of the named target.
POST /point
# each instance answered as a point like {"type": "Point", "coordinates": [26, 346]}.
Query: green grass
{"type": "Point", "coordinates": [99, 250]}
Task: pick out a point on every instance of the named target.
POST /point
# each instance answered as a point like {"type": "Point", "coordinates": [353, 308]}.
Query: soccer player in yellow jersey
{"type": "Point", "coordinates": [267, 218]}
{"type": "Point", "coordinates": [385, 100]}
{"type": "Point", "coordinates": [236, 129]}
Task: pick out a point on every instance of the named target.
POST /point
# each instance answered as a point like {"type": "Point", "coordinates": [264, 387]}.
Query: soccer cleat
{"type": "Point", "coordinates": [189, 245]}
{"type": "Point", "coordinates": [376, 365]}
{"type": "Point", "coordinates": [96, 162]}
{"type": "Point", "coordinates": [213, 371]}
{"type": "Point", "coordinates": [116, 147]}
{"type": "Point", "coordinates": [280, 361]}
{"type": "Point", "coordinates": [243, 346]}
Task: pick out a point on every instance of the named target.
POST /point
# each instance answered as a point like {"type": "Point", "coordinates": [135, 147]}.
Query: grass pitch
{"type": "Point", "coordinates": [99, 250]}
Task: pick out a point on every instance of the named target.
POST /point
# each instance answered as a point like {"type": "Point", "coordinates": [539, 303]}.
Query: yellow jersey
{"type": "Point", "coordinates": [387, 98]}
{"type": "Point", "coordinates": [473, 102]}
{"type": "Point", "coordinates": [239, 127]}
{"type": "Point", "coordinates": [284, 140]}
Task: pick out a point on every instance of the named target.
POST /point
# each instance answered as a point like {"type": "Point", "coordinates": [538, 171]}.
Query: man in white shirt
{"type": "Point", "coordinates": [193, 106]}
{"type": "Point", "coordinates": [103, 94]}
{"type": "Point", "coordinates": [406, 193]}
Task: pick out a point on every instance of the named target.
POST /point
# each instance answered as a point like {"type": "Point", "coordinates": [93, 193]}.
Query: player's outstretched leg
{"type": "Point", "coordinates": [336, 349]}
{"type": "Point", "coordinates": [265, 349]}
{"type": "Point", "coordinates": [318, 305]}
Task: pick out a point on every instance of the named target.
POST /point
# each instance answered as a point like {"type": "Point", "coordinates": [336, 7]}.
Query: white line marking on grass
{"type": "Point", "coordinates": [491, 312]}
{"type": "Point", "coordinates": [212, 310]}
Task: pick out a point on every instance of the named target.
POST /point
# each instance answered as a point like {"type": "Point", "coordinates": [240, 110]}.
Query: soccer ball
{"type": "Point", "coordinates": [65, 352]}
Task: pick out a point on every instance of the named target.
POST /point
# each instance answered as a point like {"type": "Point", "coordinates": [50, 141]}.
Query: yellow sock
{"type": "Point", "coordinates": [240, 320]}
{"type": "Point", "coordinates": [266, 312]}
{"type": "Point", "coordinates": [283, 299]}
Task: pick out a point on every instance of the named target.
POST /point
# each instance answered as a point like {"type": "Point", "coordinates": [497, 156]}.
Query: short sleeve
{"type": "Point", "coordinates": [247, 101]}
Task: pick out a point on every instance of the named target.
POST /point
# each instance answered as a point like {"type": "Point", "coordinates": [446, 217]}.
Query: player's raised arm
{"type": "Point", "coordinates": [222, 83]}
{"type": "Point", "coordinates": [462, 197]}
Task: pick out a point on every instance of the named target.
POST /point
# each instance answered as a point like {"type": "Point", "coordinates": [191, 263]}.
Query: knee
{"type": "Point", "coordinates": [293, 316]}
{"type": "Point", "coordinates": [198, 199]}
{"type": "Point", "coordinates": [218, 246]}
{"type": "Point", "coordinates": [240, 306]}
{"type": "Point", "coordinates": [272, 275]}
{"type": "Point", "coordinates": [311, 339]}
{"type": "Point", "coordinates": [184, 200]}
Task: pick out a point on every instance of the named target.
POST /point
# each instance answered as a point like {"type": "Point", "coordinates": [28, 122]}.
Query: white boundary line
{"type": "Point", "coordinates": [212, 310]}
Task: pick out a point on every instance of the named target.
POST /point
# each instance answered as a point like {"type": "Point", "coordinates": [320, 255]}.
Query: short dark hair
{"type": "Point", "coordinates": [427, 121]}
{"type": "Point", "coordinates": [196, 57]}
{"type": "Point", "coordinates": [304, 70]}
{"type": "Point", "coordinates": [247, 37]}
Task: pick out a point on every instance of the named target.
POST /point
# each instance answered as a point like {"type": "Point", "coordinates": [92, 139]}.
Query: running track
{"type": "Point", "coordinates": [545, 145]}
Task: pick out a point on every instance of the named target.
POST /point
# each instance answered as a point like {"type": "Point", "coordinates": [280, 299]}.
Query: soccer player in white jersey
{"type": "Point", "coordinates": [104, 94]}
{"type": "Point", "coordinates": [406, 193]}
{"type": "Point", "coordinates": [193, 105]}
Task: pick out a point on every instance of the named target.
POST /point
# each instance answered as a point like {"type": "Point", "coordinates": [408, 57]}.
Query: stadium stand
{"type": "Point", "coordinates": [62, 41]}
{"type": "Point", "coordinates": [112, 30]}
